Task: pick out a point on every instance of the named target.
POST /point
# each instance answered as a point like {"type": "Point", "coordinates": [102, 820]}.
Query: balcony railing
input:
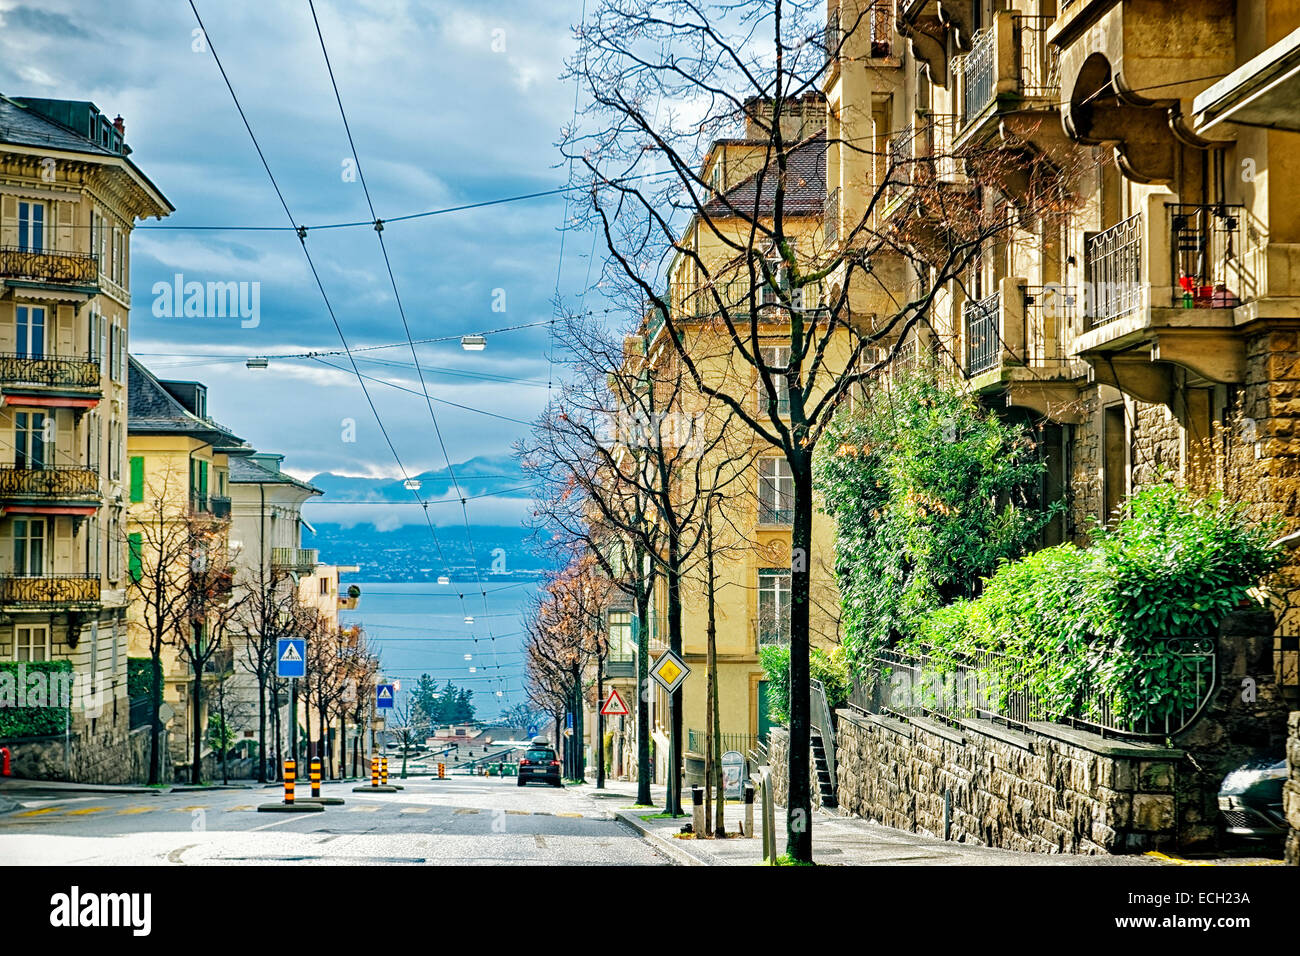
{"type": "Point", "coordinates": [831, 216]}
{"type": "Point", "coordinates": [1113, 269]}
{"type": "Point", "coordinates": [58, 482]}
{"type": "Point", "coordinates": [294, 559]}
{"type": "Point", "coordinates": [769, 513]}
{"type": "Point", "coordinates": [53, 371]}
{"type": "Point", "coordinates": [982, 339]}
{"type": "Point", "coordinates": [832, 38]}
{"type": "Point", "coordinates": [48, 590]}
{"type": "Point", "coordinates": [73, 268]}
{"type": "Point", "coordinates": [697, 740]}
{"type": "Point", "coordinates": [1204, 242]}
{"type": "Point", "coordinates": [220, 506]}
{"type": "Point", "coordinates": [979, 73]}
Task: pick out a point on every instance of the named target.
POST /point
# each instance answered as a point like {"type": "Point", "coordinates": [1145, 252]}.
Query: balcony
{"type": "Point", "coordinates": [1013, 346]}
{"type": "Point", "coordinates": [49, 484]}
{"type": "Point", "coordinates": [1162, 288]}
{"type": "Point", "coordinates": [771, 514]}
{"type": "Point", "coordinates": [219, 506]}
{"type": "Point", "coordinates": [221, 663]}
{"type": "Point", "coordinates": [623, 667]}
{"type": "Point", "coordinates": [73, 272]}
{"type": "Point", "coordinates": [52, 590]}
{"type": "Point", "coordinates": [1010, 67]}
{"type": "Point", "coordinates": [297, 560]}
{"type": "Point", "coordinates": [876, 28]}
{"type": "Point", "coordinates": [63, 373]}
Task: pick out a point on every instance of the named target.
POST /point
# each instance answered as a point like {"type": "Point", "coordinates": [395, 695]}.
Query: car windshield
{"type": "Point", "coordinates": [540, 756]}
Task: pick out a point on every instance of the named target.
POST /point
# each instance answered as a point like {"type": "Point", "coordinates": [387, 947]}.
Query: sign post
{"type": "Point", "coordinates": [291, 664]}
{"type": "Point", "coordinates": [670, 671]}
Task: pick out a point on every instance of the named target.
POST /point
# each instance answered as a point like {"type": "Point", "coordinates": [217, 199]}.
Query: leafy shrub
{"type": "Point", "coordinates": [31, 721]}
{"type": "Point", "coordinates": [139, 677]}
{"type": "Point", "coordinates": [927, 490]}
{"type": "Point", "coordinates": [831, 668]}
{"type": "Point", "coordinates": [1112, 617]}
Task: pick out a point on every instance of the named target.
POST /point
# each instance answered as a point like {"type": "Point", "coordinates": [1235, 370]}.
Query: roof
{"type": "Point", "coordinates": [805, 193]}
{"type": "Point", "coordinates": [21, 125]}
{"type": "Point", "coordinates": [151, 410]}
{"type": "Point", "coordinates": [247, 470]}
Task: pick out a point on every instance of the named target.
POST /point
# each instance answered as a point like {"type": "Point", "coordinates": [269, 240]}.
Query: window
{"type": "Point", "coordinates": [773, 607]}
{"type": "Point", "coordinates": [324, 585]}
{"type": "Point", "coordinates": [116, 350]}
{"type": "Point", "coordinates": [92, 336]}
{"type": "Point", "coordinates": [32, 643]}
{"type": "Point", "coordinates": [33, 436]}
{"type": "Point", "coordinates": [199, 484]}
{"type": "Point", "coordinates": [775, 491]}
{"type": "Point", "coordinates": [31, 330]}
{"type": "Point", "coordinates": [117, 255]}
{"type": "Point", "coordinates": [776, 358]}
{"type": "Point", "coordinates": [31, 227]}
{"type": "Point", "coordinates": [137, 479]}
{"type": "Point", "coordinates": [115, 544]}
{"type": "Point", "coordinates": [620, 637]}
{"type": "Point", "coordinates": [29, 546]}
{"type": "Point", "coordinates": [114, 449]}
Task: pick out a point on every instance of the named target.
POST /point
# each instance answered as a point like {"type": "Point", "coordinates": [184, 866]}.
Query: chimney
{"type": "Point", "coordinates": [119, 126]}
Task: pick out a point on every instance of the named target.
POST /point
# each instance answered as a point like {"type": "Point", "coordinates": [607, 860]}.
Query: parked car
{"type": "Point", "coordinates": [539, 762]}
{"type": "Point", "coordinates": [1250, 800]}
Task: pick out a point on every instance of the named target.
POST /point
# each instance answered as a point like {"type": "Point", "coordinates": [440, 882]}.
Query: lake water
{"type": "Point", "coordinates": [419, 628]}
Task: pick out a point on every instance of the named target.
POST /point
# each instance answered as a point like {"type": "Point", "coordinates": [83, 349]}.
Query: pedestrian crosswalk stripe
{"type": "Point", "coordinates": [186, 809]}
{"type": "Point", "coordinates": [522, 813]}
{"type": "Point", "coordinates": [362, 809]}
{"type": "Point", "coordinates": [415, 810]}
{"type": "Point", "coordinates": [466, 810]}
{"type": "Point", "coordinates": [37, 813]}
{"type": "Point", "coordinates": [237, 809]}
{"type": "Point", "coordinates": [86, 810]}
{"type": "Point", "coordinates": [578, 815]}
{"type": "Point", "coordinates": [130, 810]}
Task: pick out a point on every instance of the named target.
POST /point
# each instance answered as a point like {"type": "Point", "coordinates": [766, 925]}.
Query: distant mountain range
{"type": "Point", "coordinates": [378, 524]}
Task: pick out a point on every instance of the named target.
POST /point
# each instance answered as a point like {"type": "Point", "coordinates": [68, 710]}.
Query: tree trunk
{"type": "Point", "coordinates": [799, 802]}
{"type": "Point", "coordinates": [600, 723]}
{"type": "Point", "coordinates": [643, 702]}
{"type": "Point", "coordinates": [155, 730]}
{"type": "Point", "coordinates": [261, 728]}
{"type": "Point", "coordinates": [715, 710]}
{"type": "Point", "coordinates": [196, 771]}
{"type": "Point", "coordinates": [277, 729]}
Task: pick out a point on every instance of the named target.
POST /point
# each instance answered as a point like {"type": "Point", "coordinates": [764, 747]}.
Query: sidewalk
{"type": "Point", "coordinates": [837, 841]}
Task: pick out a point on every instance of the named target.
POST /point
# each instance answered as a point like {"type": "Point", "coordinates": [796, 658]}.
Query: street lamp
{"type": "Point", "coordinates": [473, 343]}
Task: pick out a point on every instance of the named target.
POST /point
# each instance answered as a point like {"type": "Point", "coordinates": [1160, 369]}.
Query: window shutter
{"type": "Point", "coordinates": [203, 479]}
{"type": "Point", "coordinates": [137, 479]}
{"type": "Point", "coordinates": [135, 559]}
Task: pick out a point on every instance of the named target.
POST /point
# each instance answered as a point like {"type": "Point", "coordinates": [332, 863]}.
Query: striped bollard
{"type": "Point", "coordinates": [383, 770]}
{"type": "Point", "coordinates": [374, 771]}
{"type": "Point", "coordinates": [290, 775]}
{"type": "Point", "coordinates": [315, 777]}
{"type": "Point", "coordinates": [442, 771]}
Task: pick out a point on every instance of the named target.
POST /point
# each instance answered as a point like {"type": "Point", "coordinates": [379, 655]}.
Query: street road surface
{"type": "Point", "coordinates": [461, 820]}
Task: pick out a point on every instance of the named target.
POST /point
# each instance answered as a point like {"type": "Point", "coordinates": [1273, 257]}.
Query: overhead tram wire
{"type": "Point", "coordinates": [301, 232]}
{"type": "Point", "coordinates": [401, 310]}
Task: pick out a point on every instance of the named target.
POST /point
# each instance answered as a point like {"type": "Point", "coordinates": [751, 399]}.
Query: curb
{"type": "Point", "coordinates": [671, 848]}
{"type": "Point", "coordinates": [61, 786]}
{"type": "Point", "coordinates": [203, 788]}
{"type": "Point", "coordinates": [7, 805]}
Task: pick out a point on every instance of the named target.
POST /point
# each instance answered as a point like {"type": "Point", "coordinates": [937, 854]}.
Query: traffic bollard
{"type": "Point", "coordinates": [383, 771]}
{"type": "Point", "coordinates": [442, 771]}
{"type": "Point", "coordinates": [315, 777]}
{"type": "Point", "coordinates": [749, 809]}
{"type": "Point", "coordinates": [290, 775]}
{"type": "Point", "coordinates": [697, 811]}
{"type": "Point", "coordinates": [289, 806]}
{"type": "Point", "coordinates": [4, 763]}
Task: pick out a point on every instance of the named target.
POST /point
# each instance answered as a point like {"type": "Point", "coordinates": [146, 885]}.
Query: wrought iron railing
{"type": "Point", "coordinates": [769, 513]}
{"type": "Point", "coordinates": [54, 482]}
{"type": "Point", "coordinates": [880, 20]}
{"type": "Point", "coordinates": [994, 686]}
{"type": "Point", "coordinates": [983, 340]}
{"type": "Point", "coordinates": [832, 38]}
{"type": "Point", "coordinates": [1113, 270]}
{"type": "Point", "coordinates": [294, 559]}
{"type": "Point", "coordinates": [1204, 242]}
{"type": "Point", "coordinates": [979, 74]}
{"type": "Point", "coordinates": [220, 506]}
{"type": "Point", "coordinates": [831, 216]}
{"type": "Point", "coordinates": [696, 740]}
{"type": "Point", "coordinates": [819, 717]}
{"type": "Point", "coordinates": [50, 589]}
{"type": "Point", "coordinates": [52, 370]}
{"type": "Point", "coordinates": [44, 266]}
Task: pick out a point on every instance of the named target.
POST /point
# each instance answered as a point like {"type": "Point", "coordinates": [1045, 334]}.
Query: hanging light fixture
{"type": "Point", "coordinates": [469, 620]}
{"type": "Point", "coordinates": [258, 361]}
{"type": "Point", "coordinates": [443, 579]}
{"type": "Point", "coordinates": [411, 484]}
{"type": "Point", "coordinates": [473, 343]}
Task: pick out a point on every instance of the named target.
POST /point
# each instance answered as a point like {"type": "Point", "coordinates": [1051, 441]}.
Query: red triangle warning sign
{"type": "Point", "coordinates": [614, 706]}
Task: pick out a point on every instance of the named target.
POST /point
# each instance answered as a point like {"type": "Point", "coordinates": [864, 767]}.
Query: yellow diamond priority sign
{"type": "Point", "coordinates": [669, 670]}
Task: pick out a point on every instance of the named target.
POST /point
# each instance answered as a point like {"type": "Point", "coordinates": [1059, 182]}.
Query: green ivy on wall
{"type": "Point", "coordinates": [38, 721]}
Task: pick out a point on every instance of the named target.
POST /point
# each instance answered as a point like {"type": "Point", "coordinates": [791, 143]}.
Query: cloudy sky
{"type": "Point", "coordinates": [450, 102]}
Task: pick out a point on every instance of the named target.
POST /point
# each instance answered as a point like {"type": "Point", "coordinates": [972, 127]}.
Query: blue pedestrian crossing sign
{"type": "Point", "coordinates": [384, 696]}
{"type": "Point", "coordinates": [291, 657]}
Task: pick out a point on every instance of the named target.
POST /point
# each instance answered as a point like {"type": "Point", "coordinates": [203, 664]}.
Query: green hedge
{"type": "Point", "coordinates": [30, 721]}
{"type": "Point", "coordinates": [1112, 617]}
{"type": "Point", "coordinates": [831, 668]}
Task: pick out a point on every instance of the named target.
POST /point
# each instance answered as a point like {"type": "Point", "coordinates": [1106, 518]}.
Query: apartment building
{"type": "Point", "coordinates": [70, 196]}
{"type": "Point", "coordinates": [1129, 315]}
{"type": "Point", "coordinates": [179, 514]}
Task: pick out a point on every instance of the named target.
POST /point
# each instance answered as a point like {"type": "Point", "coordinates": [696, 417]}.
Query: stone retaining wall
{"type": "Point", "coordinates": [110, 753]}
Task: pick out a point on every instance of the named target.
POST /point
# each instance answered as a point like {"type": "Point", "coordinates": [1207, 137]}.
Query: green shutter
{"type": "Point", "coordinates": [137, 479]}
{"type": "Point", "coordinates": [135, 545]}
{"type": "Point", "coordinates": [203, 479]}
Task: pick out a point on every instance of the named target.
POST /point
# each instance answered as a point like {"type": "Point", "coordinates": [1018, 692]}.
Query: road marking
{"type": "Point", "coordinates": [186, 809]}
{"type": "Point", "coordinates": [521, 813]}
{"type": "Point", "coordinates": [37, 813]}
{"type": "Point", "coordinates": [414, 810]}
{"type": "Point", "coordinates": [362, 809]}
{"type": "Point", "coordinates": [577, 815]}
{"type": "Point", "coordinates": [465, 810]}
{"type": "Point", "coordinates": [537, 838]}
{"type": "Point", "coordinates": [238, 809]}
{"type": "Point", "coordinates": [130, 810]}
{"type": "Point", "coordinates": [86, 810]}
